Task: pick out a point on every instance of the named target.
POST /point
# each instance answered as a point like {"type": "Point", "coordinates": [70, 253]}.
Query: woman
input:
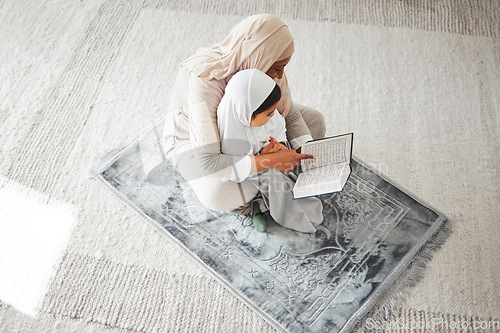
{"type": "Point", "coordinates": [192, 141]}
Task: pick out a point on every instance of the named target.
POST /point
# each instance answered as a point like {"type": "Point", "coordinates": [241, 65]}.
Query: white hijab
{"type": "Point", "coordinates": [245, 92]}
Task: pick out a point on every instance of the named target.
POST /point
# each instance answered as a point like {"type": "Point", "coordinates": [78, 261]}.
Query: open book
{"type": "Point", "coordinates": [329, 171]}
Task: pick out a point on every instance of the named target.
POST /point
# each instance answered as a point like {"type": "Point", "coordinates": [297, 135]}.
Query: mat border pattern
{"type": "Point", "coordinates": [365, 307]}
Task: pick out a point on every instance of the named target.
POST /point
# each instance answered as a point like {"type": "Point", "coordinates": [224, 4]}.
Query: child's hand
{"type": "Point", "coordinates": [282, 146]}
{"type": "Point", "coordinates": [272, 147]}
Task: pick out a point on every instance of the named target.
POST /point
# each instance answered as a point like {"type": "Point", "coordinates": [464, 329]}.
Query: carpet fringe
{"type": "Point", "coordinates": [391, 303]}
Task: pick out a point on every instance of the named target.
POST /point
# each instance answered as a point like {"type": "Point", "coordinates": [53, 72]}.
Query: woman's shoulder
{"type": "Point", "coordinates": [193, 77]}
{"type": "Point", "coordinates": [204, 85]}
{"type": "Point", "coordinates": [199, 89]}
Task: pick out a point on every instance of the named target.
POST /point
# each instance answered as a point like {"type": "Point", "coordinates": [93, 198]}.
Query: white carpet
{"type": "Point", "coordinates": [418, 84]}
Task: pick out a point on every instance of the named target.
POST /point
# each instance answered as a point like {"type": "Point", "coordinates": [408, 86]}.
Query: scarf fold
{"type": "Point", "coordinates": [257, 42]}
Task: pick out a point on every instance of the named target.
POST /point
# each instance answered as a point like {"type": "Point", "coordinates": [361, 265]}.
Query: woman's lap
{"type": "Point", "coordinates": [213, 193]}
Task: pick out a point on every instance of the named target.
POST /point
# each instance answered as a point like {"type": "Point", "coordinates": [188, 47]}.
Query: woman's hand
{"type": "Point", "coordinates": [284, 160]}
{"type": "Point", "coordinates": [289, 158]}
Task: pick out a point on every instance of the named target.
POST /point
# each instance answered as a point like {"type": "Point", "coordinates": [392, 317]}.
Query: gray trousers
{"type": "Point", "coordinates": [314, 120]}
{"type": "Point", "coordinates": [276, 196]}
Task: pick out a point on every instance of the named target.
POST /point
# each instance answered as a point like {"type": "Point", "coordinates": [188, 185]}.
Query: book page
{"type": "Point", "coordinates": [327, 152]}
{"type": "Point", "coordinates": [326, 174]}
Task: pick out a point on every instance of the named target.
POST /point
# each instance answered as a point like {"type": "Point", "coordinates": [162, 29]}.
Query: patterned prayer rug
{"type": "Point", "coordinates": [322, 282]}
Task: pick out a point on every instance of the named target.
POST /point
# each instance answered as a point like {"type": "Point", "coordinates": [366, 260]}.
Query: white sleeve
{"type": "Point", "coordinates": [240, 170]}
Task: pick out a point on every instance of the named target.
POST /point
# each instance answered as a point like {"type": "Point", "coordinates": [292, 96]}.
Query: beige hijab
{"type": "Point", "coordinates": [256, 42]}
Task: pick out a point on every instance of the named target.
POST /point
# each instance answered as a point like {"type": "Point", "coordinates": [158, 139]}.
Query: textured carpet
{"type": "Point", "coordinates": [416, 81]}
{"type": "Point", "coordinates": [322, 282]}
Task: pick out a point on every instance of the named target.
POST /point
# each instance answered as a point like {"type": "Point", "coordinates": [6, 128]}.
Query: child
{"type": "Point", "coordinates": [249, 124]}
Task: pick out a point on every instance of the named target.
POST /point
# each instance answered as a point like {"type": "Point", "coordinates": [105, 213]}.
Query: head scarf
{"type": "Point", "coordinates": [256, 42]}
{"type": "Point", "coordinates": [245, 92]}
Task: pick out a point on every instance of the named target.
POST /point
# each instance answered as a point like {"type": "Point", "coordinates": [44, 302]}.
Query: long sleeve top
{"type": "Point", "coordinates": [194, 103]}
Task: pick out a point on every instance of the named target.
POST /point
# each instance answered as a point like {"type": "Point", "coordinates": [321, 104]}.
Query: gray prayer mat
{"type": "Point", "coordinates": [322, 282]}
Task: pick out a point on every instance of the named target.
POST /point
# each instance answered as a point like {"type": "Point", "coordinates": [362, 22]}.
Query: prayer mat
{"type": "Point", "coordinates": [322, 282]}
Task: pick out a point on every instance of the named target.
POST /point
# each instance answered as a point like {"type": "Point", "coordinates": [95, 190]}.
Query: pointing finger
{"type": "Point", "coordinates": [306, 156]}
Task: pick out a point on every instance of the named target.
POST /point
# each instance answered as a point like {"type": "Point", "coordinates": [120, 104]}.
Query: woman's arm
{"type": "Point", "coordinates": [203, 98]}
{"type": "Point", "coordinates": [296, 129]}
{"type": "Point", "coordinates": [283, 160]}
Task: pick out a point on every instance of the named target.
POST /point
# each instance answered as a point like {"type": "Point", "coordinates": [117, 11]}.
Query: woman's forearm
{"type": "Point", "coordinates": [283, 160]}
{"type": "Point", "coordinates": [262, 162]}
